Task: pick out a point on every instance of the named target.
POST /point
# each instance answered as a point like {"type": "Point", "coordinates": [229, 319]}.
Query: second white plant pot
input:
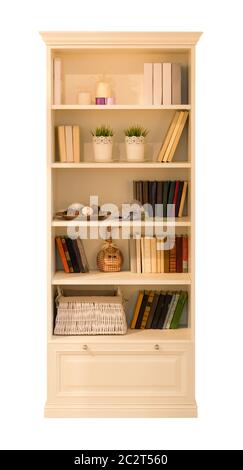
{"type": "Point", "coordinates": [135, 149]}
{"type": "Point", "coordinates": [102, 149]}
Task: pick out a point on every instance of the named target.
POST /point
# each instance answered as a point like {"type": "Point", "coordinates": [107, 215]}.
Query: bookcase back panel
{"type": "Point", "coordinates": [156, 121]}
{"type": "Point", "coordinates": [111, 186]}
{"type": "Point", "coordinates": [122, 68]}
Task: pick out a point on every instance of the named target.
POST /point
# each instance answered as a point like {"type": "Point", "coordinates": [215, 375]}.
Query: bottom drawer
{"type": "Point", "coordinates": [121, 374]}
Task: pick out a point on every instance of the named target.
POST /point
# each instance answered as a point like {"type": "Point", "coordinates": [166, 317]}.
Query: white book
{"type": "Point", "coordinates": [157, 83]}
{"type": "Point", "coordinates": [169, 309]}
{"type": "Point", "coordinates": [172, 311]}
{"type": "Point", "coordinates": [69, 143]}
{"type": "Point", "coordinates": [57, 81]}
{"type": "Point", "coordinates": [148, 83]}
{"type": "Point", "coordinates": [147, 255]}
{"type": "Point", "coordinates": [176, 84]}
{"type": "Point", "coordinates": [153, 255]}
{"type": "Point", "coordinates": [133, 261]}
{"type": "Point", "coordinates": [167, 83]}
{"type": "Point", "coordinates": [76, 144]}
{"type": "Point", "coordinates": [138, 255]}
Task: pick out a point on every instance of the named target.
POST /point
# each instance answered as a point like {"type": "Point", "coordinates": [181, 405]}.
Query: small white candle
{"type": "Point", "coordinates": [103, 90]}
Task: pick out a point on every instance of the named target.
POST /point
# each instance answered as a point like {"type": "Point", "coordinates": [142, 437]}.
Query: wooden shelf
{"type": "Point", "coordinates": [120, 278]}
{"type": "Point", "coordinates": [122, 165]}
{"type": "Point", "coordinates": [179, 222]}
{"type": "Point", "coordinates": [120, 107]}
{"type": "Point", "coordinates": [134, 336]}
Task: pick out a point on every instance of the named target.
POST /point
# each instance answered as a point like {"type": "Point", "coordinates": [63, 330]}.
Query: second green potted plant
{"type": "Point", "coordinates": [135, 140]}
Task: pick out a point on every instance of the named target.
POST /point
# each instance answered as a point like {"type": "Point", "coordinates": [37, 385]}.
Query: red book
{"type": "Point", "coordinates": [185, 254]}
{"type": "Point", "coordinates": [179, 240]}
{"type": "Point", "coordinates": [176, 192]}
{"type": "Point", "coordinates": [62, 254]}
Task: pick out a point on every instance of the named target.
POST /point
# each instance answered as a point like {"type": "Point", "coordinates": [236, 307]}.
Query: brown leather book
{"type": "Point", "coordinates": [179, 240]}
{"type": "Point", "coordinates": [166, 261]}
{"type": "Point", "coordinates": [185, 254]}
{"type": "Point", "coordinates": [172, 258]}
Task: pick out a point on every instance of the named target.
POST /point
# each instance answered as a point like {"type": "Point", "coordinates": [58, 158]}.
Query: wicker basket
{"type": "Point", "coordinates": [109, 258]}
{"type": "Point", "coordinates": [90, 315]}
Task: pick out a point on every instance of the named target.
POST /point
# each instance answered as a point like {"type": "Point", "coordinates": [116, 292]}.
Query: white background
{"type": "Point", "coordinates": [219, 216]}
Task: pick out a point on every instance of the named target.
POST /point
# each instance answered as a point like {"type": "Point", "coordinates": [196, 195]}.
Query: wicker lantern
{"type": "Point", "coordinates": [109, 258]}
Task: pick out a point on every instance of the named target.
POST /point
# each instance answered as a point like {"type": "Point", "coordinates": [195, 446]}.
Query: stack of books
{"type": "Point", "coordinates": [68, 139]}
{"type": "Point", "coordinates": [72, 255]}
{"type": "Point", "coordinates": [162, 83]}
{"type": "Point", "coordinates": [162, 192]}
{"type": "Point", "coordinates": [159, 310]}
{"type": "Point", "coordinates": [172, 137]}
{"type": "Point", "coordinates": [148, 256]}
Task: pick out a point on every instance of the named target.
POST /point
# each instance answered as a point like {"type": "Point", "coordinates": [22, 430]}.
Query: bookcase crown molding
{"type": "Point", "coordinates": [146, 39]}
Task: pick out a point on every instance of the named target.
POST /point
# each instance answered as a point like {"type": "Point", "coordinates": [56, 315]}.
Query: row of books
{"type": "Point", "coordinates": [162, 192]}
{"type": "Point", "coordinates": [162, 83]}
{"type": "Point", "coordinates": [147, 255]}
{"type": "Point", "coordinates": [72, 255]}
{"type": "Point", "coordinates": [68, 138]}
{"type": "Point", "coordinates": [158, 310]}
{"type": "Point", "coordinates": [172, 137]}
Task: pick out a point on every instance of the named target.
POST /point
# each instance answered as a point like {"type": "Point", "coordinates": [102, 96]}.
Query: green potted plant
{"type": "Point", "coordinates": [135, 139]}
{"type": "Point", "coordinates": [102, 143]}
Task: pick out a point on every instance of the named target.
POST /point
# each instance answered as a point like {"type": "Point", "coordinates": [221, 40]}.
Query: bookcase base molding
{"type": "Point", "coordinates": [121, 380]}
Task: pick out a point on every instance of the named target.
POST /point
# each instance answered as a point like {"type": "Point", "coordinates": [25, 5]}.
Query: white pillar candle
{"type": "Point", "coordinates": [103, 90]}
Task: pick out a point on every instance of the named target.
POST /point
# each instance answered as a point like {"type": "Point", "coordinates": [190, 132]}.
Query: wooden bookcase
{"type": "Point", "coordinates": [145, 373]}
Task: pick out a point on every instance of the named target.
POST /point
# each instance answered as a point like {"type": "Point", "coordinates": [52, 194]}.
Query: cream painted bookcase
{"type": "Point", "coordinates": [145, 373]}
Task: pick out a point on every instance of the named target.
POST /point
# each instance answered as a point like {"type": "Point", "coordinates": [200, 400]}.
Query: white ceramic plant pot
{"type": "Point", "coordinates": [102, 149]}
{"type": "Point", "coordinates": [135, 149]}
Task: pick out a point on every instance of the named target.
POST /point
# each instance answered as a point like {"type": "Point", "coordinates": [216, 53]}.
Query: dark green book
{"type": "Point", "coordinates": [178, 311]}
{"type": "Point", "coordinates": [152, 310]}
{"type": "Point", "coordinates": [164, 311]}
{"type": "Point", "coordinates": [158, 310]}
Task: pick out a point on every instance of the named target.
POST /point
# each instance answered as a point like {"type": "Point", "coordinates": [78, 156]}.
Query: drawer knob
{"type": "Point", "coordinates": [156, 347]}
{"type": "Point", "coordinates": [85, 347]}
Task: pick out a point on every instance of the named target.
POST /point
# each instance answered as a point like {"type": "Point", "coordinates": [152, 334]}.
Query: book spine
{"type": "Point", "coordinates": [147, 255]}
{"type": "Point", "coordinates": [133, 260]}
{"type": "Point", "coordinates": [61, 144]}
{"type": "Point", "coordinates": [166, 83]}
{"type": "Point", "coordinates": [153, 255]}
{"type": "Point", "coordinates": [72, 255]}
{"type": "Point", "coordinates": [148, 83]}
{"type": "Point", "coordinates": [69, 143]}
{"type": "Point", "coordinates": [179, 241]}
{"type": "Point", "coordinates": [62, 254]}
{"type": "Point", "coordinates": [172, 311]}
{"type": "Point", "coordinates": [136, 309]}
{"type": "Point", "coordinates": [185, 254]}
{"type": "Point", "coordinates": [83, 255]}
{"type": "Point", "coordinates": [147, 310]}
{"type": "Point", "coordinates": [157, 83]}
{"type": "Point", "coordinates": [177, 136]}
{"type": "Point", "coordinates": [78, 256]}
{"type": "Point", "coordinates": [183, 199]}
{"type": "Point", "coordinates": [67, 255]}
{"type": "Point", "coordinates": [172, 258]}
{"type": "Point", "coordinates": [175, 84]}
{"type": "Point", "coordinates": [76, 144]}
{"type": "Point", "coordinates": [138, 255]}
{"type": "Point", "coordinates": [178, 311]}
